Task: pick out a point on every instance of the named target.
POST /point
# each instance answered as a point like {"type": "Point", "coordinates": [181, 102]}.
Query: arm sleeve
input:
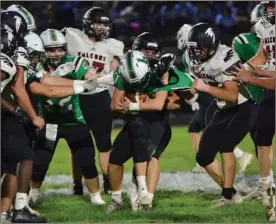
{"type": "Point", "coordinates": [118, 82]}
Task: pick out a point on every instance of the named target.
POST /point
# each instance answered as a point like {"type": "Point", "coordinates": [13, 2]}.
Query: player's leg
{"type": "Point", "coordinates": [16, 149]}
{"type": "Point", "coordinates": [97, 113]}
{"type": "Point", "coordinates": [194, 130]}
{"type": "Point", "coordinates": [237, 124]}
{"type": "Point", "coordinates": [264, 135]}
{"type": "Point", "coordinates": [8, 190]}
{"type": "Point", "coordinates": [82, 148]}
{"type": "Point", "coordinates": [44, 149]}
{"type": "Point", "coordinates": [153, 172]}
{"type": "Point", "coordinates": [121, 152]}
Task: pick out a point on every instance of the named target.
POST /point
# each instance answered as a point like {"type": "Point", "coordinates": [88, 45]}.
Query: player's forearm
{"type": "Point", "coordinates": [7, 106]}
{"type": "Point", "coordinates": [156, 104]}
{"type": "Point", "coordinates": [223, 93]}
{"type": "Point", "coordinates": [56, 81]}
{"type": "Point", "coordinates": [22, 97]}
{"type": "Point", "coordinates": [267, 74]}
{"type": "Point", "coordinates": [265, 83]}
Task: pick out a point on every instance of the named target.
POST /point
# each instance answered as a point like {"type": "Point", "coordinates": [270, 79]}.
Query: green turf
{"type": "Point", "coordinates": [179, 155]}
{"type": "Point", "coordinates": [169, 206]}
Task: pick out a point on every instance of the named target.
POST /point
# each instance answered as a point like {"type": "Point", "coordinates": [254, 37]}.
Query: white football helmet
{"type": "Point", "coordinates": [26, 15]}
{"type": "Point", "coordinates": [53, 39]}
{"type": "Point", "coordinates": [35, 49]}
{"type": "Point", "coordinates": [134, 68]}
{"type": "Point", "coordinates": [182, 36]}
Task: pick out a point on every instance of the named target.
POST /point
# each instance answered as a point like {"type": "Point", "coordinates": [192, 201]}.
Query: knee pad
{"type": "Point", "coordinates": [203, 160]}
{"type": "Point", "coordinates": [116, 159]}
{"type": "Point", "coordinates": [103, 142]}
{"type": "Point", "coordinates": [41, 164]}
{"type": "Point", "coordinates": [89, 172]}
{"type": "Point", "coordinates": [10, 168]}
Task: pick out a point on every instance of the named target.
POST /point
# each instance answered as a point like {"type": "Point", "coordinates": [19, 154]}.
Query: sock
{"type": "Point", "coordinates": [228, 192]}
{"type": "Point", "coordinates": [150, 195]}
{"type": "Point", "coordinates": [117, 196]}
{"type": "Point", "coordinates": [34, 192]}
{"type": "Point", "coordinates": [105, 178]}
{"type": "Point", "coordinates": [265, 180]}
{"type": "Point", "coordinates": [238, 153]}
{"type": "Point", "coordinates": [142, 186]}
{"type": "Point", "coordinates": [21, 200]}
{"type": "Point", "coordinates": [133, 187]}
{"type": "Point", "coordinates": [197, 165]}
{"type": "Point", "coordinates": [77, 182]}
{"type": "Point", "coordinates": [272, 176]}
{"type": "Point", "coordinates": [96, 196]}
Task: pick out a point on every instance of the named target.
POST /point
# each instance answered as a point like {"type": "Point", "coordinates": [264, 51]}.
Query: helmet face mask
{"type": "Point", "coordinates": [96, 24]}
{"type": "Point", "coordinates": [54, 55]}
{"type": "Point", "coordinates": [268, 12]}
{"type": "Point", "coordinates": [203, 42]}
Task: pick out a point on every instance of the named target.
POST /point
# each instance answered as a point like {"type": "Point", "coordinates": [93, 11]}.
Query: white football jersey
{"type": "Point", "coordinates": [98, 54]}
{"type": "Point", "coordinates": [7, 66]}
{"type": "Point", "coordinates": [217, 70]}
{"type": "Point", "coordinates": [266, 32]}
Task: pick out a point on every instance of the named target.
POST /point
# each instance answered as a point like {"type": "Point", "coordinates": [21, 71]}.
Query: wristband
{"type": "Point", "coordinates": [78, 86]}
{"type": "Point", "coordinates": [134, 106]}
{"type": "Point", "coordinates": [78, 82]}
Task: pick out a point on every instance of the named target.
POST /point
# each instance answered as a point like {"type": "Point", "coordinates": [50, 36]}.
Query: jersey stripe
{"type": "Point", "coordinates": [244, 38]}
{"type": "Point", "coordinates": [77, 61]}
{"type": "Point", "coordinates": [238, 40]}
{"type": "Point", "coordinates": [129, 65]}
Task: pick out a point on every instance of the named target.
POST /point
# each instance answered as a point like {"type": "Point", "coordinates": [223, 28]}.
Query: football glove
{"type": "Point", "coordinates": [90, 85]}
{"type": "Point", "coordinates": [64, 69]}
{"type": "Point", "coordinates": [165, 62]}
{"type": "Point", "coordinates": [22, 58]}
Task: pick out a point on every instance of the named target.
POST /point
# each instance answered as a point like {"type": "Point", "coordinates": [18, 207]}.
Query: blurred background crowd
{"type": "Point", "coordinates": [163, 18]}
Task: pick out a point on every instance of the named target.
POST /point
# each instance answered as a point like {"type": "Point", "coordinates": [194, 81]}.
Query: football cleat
{"type": "Point", "coordinates": [270, 209]}
{"type": "Point", "coordinates": [114, 206]}
{"type": "Point", "coordinates": [259, 193]}
{"type": "Point", "coordinates": [5, 217]}
{"type": "Point", "coordinates": [27, 215]}
{"type": "Point", "coordinates": [244, 161]}
{"type": "Point", "coordinates": [133, 196]}
{"type": "Point", "coordinates": [236, 199]}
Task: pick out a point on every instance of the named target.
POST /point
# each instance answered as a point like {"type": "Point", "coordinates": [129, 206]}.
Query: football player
{"type": "Point", "coordinates": [246, 45]}
{"type": "Point", "coordinates": [64, 120]}
{"type": "Point", "coordinates": [102, 54]}
{"type": "Point", "coordinates": [265, 121]}
{"type": "Point", "coordinates": [205, 106]}
{"type": "Point", "coordinates": [212, 62]}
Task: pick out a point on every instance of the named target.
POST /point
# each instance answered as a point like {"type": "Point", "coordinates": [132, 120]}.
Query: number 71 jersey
{"type": "Point", "coordinates": [98, 54]}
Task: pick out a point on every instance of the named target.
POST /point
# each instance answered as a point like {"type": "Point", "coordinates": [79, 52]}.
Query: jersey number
{"type": "Point", "coordinates": [270, 49]}
{"type": "Point", "coordinates": [98, 65]}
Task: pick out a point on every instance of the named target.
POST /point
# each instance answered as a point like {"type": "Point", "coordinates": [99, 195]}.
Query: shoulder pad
{"type": "Point", "coordinates": [116, 47]}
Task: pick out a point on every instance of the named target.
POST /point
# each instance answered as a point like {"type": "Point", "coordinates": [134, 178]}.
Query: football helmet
{"type": "Point", "coordinates": [256, 15]}
{"type": "Point", "coordinates": [268, 11]}
{"type": "Point", "coordinates": [182, 37]}
{"type": "Point", "coordinates": [96, 23]}
{"type": "Point", "coordinates": [9, 44]}
{"type": "Point", "coordinates": [135, 69]}
{"type": "Point", "coordinates": [13, 22]}
{"type": "Point", "coordinates": [25, 14]}
{"type": "Point", "coordinates": [203, 42]}
{"type": "Point", "coordinates": [147, 41]}
{"type": "Point", "coordinates": [35, 49]}
{"type": "Point", "coordinates": [52, 40]}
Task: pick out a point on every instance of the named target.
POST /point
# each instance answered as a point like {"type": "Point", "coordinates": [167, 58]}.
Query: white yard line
{"type": "Point", "coordinates": [182, 181]}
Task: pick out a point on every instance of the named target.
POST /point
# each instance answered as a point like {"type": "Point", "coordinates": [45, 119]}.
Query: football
{"type": "Point", "coordinates": [133, 97]}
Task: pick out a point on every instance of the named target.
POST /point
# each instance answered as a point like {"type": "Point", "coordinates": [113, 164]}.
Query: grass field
{"type": "Point", "coordinates": [169, 206]}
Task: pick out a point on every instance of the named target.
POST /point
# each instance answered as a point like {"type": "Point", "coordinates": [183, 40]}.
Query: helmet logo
{"type": "Point", "coordinates": [17, 22]}
{"type": "Point", "coordinates": [210, 33]}
{"type": "Point", "coordinates": [152, 45]}
{"type": "Point", "coordinates": [104, 18]}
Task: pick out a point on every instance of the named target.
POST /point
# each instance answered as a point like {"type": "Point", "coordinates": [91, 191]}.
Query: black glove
{"type": "Point", "coordinates": [165, 62]}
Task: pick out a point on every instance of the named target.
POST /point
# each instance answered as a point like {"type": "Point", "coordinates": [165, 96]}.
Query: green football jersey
{"type": "Point", "coordinates": [178, 81]}
{"type": "Point", "coordinates": [65, 110]}
{"type": "Point", "coordinates": [246, 46]}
